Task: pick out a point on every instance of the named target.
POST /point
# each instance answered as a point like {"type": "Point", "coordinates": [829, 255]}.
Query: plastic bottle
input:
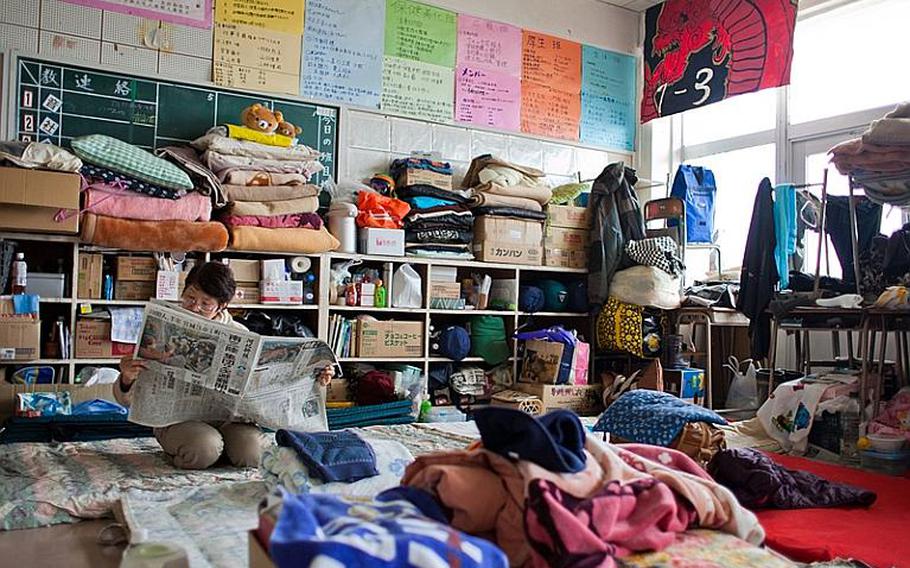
{"type": "Point", "coordinates": [20, 274]}
{"type": "Point", "coordinates": [850, 419]}
{"type": "Point", "coordinates": [381, 297]}
{"type": "Point", "coordinates": [108, 287]}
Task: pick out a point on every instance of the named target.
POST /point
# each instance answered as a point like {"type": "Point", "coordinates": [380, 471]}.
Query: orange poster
{"type": "Point", "coordinates": [548, 111]}
{"type": "Point", "coordinates": [551, 60]}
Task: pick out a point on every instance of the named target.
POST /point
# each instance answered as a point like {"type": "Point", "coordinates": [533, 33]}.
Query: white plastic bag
{"type": "Point", "coordinates": [743, 393]}
{"type": "Point", "coordinates": [407, 290]}
{"type": "Point", "coordinates": [646, 286]}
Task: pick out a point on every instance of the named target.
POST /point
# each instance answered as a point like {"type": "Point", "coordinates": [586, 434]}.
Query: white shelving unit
{"type": "Point", "coordinates": [319, 313]}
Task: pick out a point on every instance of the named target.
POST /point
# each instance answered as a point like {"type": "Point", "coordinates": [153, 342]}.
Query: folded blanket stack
{"type": "Point", "coordinates": [879, 160]}
{"type": "Point", "coordinates": [143, 196]}
{"type": "Point", "coordinates": [269, 204]}
{"type": "Point", "coordinates": [440, 224]}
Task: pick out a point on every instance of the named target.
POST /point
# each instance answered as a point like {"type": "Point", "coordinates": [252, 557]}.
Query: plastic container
{"type": "Point", "coordinates": [20, 274]}
{"type": "Point", "coordinates": [886, 444]}
{"type": "Point", "coordinates": [445, 414]}
{"type": "Point", "coordinates": [888, 463]}
{"type": "Point", "coordinates": [343, 225]}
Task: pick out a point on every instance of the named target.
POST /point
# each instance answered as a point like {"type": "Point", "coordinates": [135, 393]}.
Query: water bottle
{"type": "Point", "coordinates": [850, 419]}
{"type": "Point", "coordinates": [20, 274]}
{"type": "Point", "coordinates": [108, 287]}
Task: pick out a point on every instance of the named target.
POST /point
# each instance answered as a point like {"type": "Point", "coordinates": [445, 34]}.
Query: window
{"type": "Point", "coordinates": [743, 114]}
{"type": "Point", "coordinates": [849, 59]}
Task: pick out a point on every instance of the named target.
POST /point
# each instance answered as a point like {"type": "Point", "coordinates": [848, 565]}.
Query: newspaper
{"type": "Point", "coordinates": [213, 372]}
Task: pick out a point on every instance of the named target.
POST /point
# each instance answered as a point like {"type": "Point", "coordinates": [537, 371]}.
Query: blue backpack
{"type": "Point", "coordinates": [696, 187]}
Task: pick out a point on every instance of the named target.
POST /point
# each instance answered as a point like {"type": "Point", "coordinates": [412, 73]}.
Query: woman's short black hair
{"type": "Point", "coordinates": [215, 279]}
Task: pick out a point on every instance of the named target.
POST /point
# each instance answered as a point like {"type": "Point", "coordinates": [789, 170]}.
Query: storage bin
{"type": "Point", "coordinates": [889, 463]}
{"type": "Point", "coordinates": [45, 284]}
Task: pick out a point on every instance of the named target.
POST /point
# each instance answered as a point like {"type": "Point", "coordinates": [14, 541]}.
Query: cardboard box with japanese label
{"type": "Point", "coordinates": [390, 339]}
{"type": "Point", "coordinates": [565, 258]}
{"type": "Point", "coordinates": [135, 290]}
{"type": "Point", "coordinates": [414, 176]}
{"type": "Point", "coordinates": [93, 340]}
{"type": "Point", "coordinates": [31, 199]}
{"type": "Point", "coordinates": [567, 239]}
{"type": "Point", "coordinates": [136, 269]}
{"type": "Point", "coordinates": [384, 242]}
{"type": "Point", "coordinates": [246, 294]}
{"type": "Point", "coordinates": [585, 400]}
{"type": "Point", "coordinates": [246, 271]}
{"type": "Point", "coordinates": [90, 278]}
{"type": "Point", "coordinates": [281, 292]}
{"type": "Point", "coordinates": [569, 217]}
{"type": "Point", "coordinates": [20, 338]}
{"type": "Point", "coordinates": [508, 241]}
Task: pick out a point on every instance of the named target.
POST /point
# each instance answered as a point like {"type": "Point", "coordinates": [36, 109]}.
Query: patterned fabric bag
{"type": "Point", "coordinates": [630, 328]}
{"type": "Point", "coordinates": [660, 252]}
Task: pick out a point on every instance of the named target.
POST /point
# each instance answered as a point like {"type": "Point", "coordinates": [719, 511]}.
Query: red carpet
{"type": "Point", "coordinates": [879, 535]}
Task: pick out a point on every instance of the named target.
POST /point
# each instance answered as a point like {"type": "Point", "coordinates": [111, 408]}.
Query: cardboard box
{"type": "Point", "coordinates": [246, 295]}
{"type": "Point", "coordinates": [244, 270]}
{"type": "Point", "coordinates": [259, 556]}
{"type": "Point", "coordinates": [93, 340]}
{"type": "Point", "coordinates": [414, 176]}
{"type": "Point", "coordinates": [281, 292]}
{"type": "Point", "coordinates": [30, 200]}
{"type": "Point", "coordinates": [20, 339]}
{"type": "Point", "coordinates": [565, 258]}
{"type": "Point", "coordinates": [339, 390]}
{"type": "Point", "coordinates": [569, 216]}
{"type": "Point", "coordinates": [136, 269]}
{"type": "Point", "coordinates": [385, 242]}
{"type": "Point", "coordinates": [78, 393]}
{"type": "Point", "coordinates": [567, 239]}
{"type": "Point", "coordinates": [688, 384]}
{"type": "Point", "coordinates": [90, 281]}
{"type": "Point", "coordinates": [445, 291]}
{"type": "Point", "coordinates": [134, 290]}
{"type": "Point", "coordinates": [273, 269]}
{"type": "Point", "coordinates": [585, 400]}
{"type": "Point", "coordinates": [509, 241]}
{"type": "Point", "coordinates": [542, 362]}
{"type": "Point", "coordinates": [390, 339]}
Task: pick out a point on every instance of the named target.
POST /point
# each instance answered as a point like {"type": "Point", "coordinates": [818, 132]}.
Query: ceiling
{"type": "Point", "coordinates": [637, 5]}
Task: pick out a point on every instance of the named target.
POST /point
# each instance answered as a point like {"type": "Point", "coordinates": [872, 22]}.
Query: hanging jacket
{"type": "Point", "coordinates": [759, 273]}
{"type": "Point", "coordinates": [617, 219]}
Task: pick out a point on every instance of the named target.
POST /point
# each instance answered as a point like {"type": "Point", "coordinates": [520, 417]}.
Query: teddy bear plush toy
{"type": "Point", "coordinates": [285, 128]}
{"type": "Point", "coordinates": [261, 119]}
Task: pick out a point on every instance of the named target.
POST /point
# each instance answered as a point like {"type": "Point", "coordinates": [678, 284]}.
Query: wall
{"type": "Point", "coordinates": [368, 140]}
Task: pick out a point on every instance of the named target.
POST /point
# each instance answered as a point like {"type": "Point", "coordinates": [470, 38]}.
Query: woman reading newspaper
{"type": "Point", "coordinates": [199, 445]}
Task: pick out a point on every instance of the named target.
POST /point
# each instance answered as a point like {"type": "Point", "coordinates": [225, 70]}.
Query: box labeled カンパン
{"type": "Point", "coordinates": [508, 241]}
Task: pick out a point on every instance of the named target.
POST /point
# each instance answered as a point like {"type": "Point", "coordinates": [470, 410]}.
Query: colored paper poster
{"type": "Point", "coordinates": [419, 32]}
{"type": "Point", "coordinates": [342, 51]}
{"type": "Point", "coordinates": [550, 60]}
{"type": "Point", "coordinates": [257, 59]}
{"type": "Point", "coordinates": [417, 89]}
{"type": "Point", "coordinates": [548, 111]}
{"type": "Point", "coordinates": [487, 98]}
{"type": "Point", "coordinates": [489, 45]}
{"type": "Point", "coordinates": [279, 15]}
{"type": "Point", "coordinates": [607, 98]}
{"type": "Point", "coordinates": [195, 13]}
{"type": "Point", "coordinates": [697, 54]}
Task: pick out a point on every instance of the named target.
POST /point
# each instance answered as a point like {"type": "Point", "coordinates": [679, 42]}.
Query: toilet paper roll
{"type": "Point", "coordinates": [300, 264]}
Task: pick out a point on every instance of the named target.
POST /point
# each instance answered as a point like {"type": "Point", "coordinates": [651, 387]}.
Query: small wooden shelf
{"type": "Point", "coordinates": [381, 359]}
{"type": "Point", "coordinates": [307, 307]}
{"type": "Point", "coordinates": [369, 309]}
{"type": "Point", "coordinates": [473, 312]}
{"type": "Point", "coordinates": [56, 300]}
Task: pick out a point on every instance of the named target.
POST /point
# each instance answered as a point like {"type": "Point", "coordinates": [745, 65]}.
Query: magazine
{"type": "Point", "coordinates": [208, 371]}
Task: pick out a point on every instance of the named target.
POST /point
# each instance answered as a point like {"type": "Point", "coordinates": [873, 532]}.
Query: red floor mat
{"type": "Point", "coordinates": [879, 535]}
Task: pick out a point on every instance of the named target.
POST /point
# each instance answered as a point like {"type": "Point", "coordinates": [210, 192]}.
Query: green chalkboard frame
{"type": "Point", "coordinates": [55, 100]}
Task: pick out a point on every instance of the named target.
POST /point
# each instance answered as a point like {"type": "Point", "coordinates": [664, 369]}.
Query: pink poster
{"type": "Point", "coordinates": [489, 45]}
{"type": "Point", "coordinates": [195, 13]}
{"type": "Point", "coordinates": [487, 98]}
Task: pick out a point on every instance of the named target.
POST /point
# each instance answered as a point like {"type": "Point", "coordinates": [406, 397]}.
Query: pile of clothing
{"type": "Point", "coordinates": [439, 223]}
{"type": "Point", "coordinates": [270, 204]}
{"type": "Point", "coordinates": [879, 160]}
{"type": "Point", "coordinates": [502, 189]}
{"type": "Point", "coordinates": [137, 201]}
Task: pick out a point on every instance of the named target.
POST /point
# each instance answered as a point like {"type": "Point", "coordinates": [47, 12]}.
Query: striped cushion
{"type": "Point", "coordinates": [130, 160]}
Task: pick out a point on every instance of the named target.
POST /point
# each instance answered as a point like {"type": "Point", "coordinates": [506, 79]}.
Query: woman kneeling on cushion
{"type": "Point", "coordinates": [199, 445]}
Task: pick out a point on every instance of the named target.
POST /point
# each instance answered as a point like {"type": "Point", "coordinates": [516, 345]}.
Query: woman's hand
{"type": "Point", "coordinates": [326, 375]}
{"type": "Point", "coordinates": [130, 369]}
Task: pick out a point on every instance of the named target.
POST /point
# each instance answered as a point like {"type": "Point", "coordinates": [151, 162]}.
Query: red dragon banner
{"type": "Point", "coordinates": [702, 51]}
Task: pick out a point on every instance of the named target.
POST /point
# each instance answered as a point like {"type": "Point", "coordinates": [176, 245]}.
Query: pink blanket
{"type": "Point", "coordinates": [288, 221]}
{"type": "Point", "coordinates": [124, 204]}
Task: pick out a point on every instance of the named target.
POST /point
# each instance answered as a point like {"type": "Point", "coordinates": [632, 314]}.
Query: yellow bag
{"type": "Point", "coordinates": [630, 328]}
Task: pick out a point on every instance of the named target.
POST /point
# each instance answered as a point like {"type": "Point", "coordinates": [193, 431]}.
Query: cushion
{"type": "Point", "coordinates": [131, 160]}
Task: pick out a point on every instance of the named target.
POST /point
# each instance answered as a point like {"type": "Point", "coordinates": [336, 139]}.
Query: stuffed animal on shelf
{"type": "Point", "coordinates": [285, 128]}
{"type": "Point", "coordinates": [261, 119]}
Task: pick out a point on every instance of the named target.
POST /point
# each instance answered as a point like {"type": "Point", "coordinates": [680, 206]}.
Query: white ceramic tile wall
{"type": "Point", "coordinates": [144, 61]}
{"type": "Point", "coordinates": [20, 12]}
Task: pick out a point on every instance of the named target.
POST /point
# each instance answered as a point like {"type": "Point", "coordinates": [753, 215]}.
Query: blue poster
{"type": "Point", "coordinates": [343, 44]}
{"type": "Point", "coordinates": [608, 117]}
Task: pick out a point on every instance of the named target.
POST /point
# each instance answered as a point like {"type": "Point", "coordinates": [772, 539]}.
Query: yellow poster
{"type": "Point", "coordinates": [247, 57]}
{"type": "Point", "coordinates": [279, 15]}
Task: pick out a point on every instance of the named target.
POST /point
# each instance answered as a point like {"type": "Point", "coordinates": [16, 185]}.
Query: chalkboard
{"type": "Point", "coordinates": [56, 102]}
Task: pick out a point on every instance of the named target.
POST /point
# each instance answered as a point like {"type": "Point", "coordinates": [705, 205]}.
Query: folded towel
{"type": "Point", "coordinates": [265, 208]}
{"type": "Point", "coordinates": [331, 456]}
{"type": "Point", "coordinates": [257, 178]}
{"type": "Point", "coordinates": [298, 241]}
{"type": "Point", "coordinates": [269, 192]}
{"type": "Point", "coordinates": [218, 163]}
{"type": "Point", "coordinates": [493, 200]}
{"type": "Point", "coordinates": [541, 193]}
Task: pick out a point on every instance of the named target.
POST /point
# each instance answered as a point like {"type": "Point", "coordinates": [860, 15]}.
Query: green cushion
{"type": "Point", "coordinates": [131, 160]}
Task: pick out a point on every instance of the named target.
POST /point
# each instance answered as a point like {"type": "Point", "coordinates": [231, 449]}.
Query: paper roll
{"type": "Point", "coordinates": [300, 264]}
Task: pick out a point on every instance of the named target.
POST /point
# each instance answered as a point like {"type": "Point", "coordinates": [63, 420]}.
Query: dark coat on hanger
{"type": "Point", "coordinates": [616, 219]}
{"type": "Point", "coordinates": [759, 273]}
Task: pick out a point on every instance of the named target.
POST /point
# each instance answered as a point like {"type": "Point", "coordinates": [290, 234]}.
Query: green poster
{"type": "Point", "coordinates": [419, 32]}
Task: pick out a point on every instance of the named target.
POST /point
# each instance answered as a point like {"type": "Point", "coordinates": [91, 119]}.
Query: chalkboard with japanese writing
{"type": "Point", "coordinates": [57, 102]}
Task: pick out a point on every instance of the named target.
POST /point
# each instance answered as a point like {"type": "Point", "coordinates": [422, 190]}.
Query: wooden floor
{"type": "Point", "coordinates": [73, 546]}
